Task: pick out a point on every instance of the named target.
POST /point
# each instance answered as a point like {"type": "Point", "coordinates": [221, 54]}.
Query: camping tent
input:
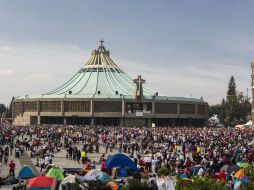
{"type": "Point", "coordinates": [26, 172]}
{"type": "Point", "coordinates": [248, 124]}
{"type": "Point", "coordinates": [103, 176]}
{"type": "Point", "coordinates": [68, 180]}
{"type": "Point", "coordinates": [121, 161]}
{"type": "Point", "coordinates": [55, 172]}
{"type": "Point", "coordinates": [41, 183]}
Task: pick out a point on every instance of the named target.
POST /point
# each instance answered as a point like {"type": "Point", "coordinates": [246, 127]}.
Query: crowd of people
{"type": "Point", "coordinates": [182, 150]}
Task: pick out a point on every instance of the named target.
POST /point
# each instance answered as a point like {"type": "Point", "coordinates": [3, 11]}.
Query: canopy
{"type": "Point", "coordinates": [249, 124]}
{"type": "Point", "coordinates": [55, 172]}
{"type": "Point", "coordinates": [41, 183]}
{"type": "Point", "coordinates": [121, 161]}
{"type": "Point", "coordinates": [26, 172]}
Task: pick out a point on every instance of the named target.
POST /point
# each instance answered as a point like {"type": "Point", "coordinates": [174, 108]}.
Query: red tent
{"type": "Point", "coordinates": [41, 181]}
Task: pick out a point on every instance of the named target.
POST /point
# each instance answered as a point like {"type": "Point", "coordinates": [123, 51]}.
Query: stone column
{"type": "Point", "coordinates": [149, 122]}
{"type": "Point", "coordinates": [92, 111]}
{"type": "Point", "coordinates": [38, 119]}
{"type": "Point", "coordinates": [38, 107]}
{"type": "Point", "coordinates": [178, 108]}
{"type": "Point", "coordinates": [91, 107]}
{"type": "Point", "coordinates": [153, 108]}
{"type": "Point", "coordinates": [22, 108]}
{"type": "Point", "coordinates": [123, 108]}
{"type": "Point", "coordinates": [38, 112]}
{"type": "Point", "coordinates": [92, 121]}
{"type": "Point", "coordinates": [62, 107]}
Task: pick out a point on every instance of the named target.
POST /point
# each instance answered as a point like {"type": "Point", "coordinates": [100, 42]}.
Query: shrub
{"type": "Point", "coordinates": [249, 172]}
{"type": "Point", "coordinates": [135, 184]}
{"type": "Point", "coordinates": [200, 183]}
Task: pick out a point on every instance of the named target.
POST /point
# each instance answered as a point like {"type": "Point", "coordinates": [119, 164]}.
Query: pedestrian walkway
{"type": "Point", "coordinates": [5, 168]}
{"type": "Point", "coordinates": [61, 161]}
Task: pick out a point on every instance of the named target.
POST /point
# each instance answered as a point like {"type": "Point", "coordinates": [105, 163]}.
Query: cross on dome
{"type": "Point", "coordinates": [139, 88]}
{"type": "Point", "coordinates": [101, 41]}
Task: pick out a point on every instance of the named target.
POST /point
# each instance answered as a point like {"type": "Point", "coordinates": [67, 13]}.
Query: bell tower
{"type": "Point", "coordinates": [252, 90]}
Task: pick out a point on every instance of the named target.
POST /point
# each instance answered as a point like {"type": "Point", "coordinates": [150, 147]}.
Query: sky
{"type": "Point", "coordinates": [181, 47]}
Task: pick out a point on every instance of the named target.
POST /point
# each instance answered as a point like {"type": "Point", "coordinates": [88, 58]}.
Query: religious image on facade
{"type": "Point", "coordinates": [100, 93]}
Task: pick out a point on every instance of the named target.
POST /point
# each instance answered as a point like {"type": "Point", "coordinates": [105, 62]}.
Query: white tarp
{"type": "Point", "coordinates": [249, 124]}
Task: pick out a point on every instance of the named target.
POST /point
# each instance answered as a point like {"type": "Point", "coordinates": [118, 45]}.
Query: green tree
{"type": "Point", "coordinates": [9, 112]}
{"type": "Point", "coordinates": [231, 87]}
{"type": "Point", "coordinates": [231, 106]}
{"type": "Point", "coordinates": [235, 109]}
{"type": "Point", "coordinates": [2, 109]}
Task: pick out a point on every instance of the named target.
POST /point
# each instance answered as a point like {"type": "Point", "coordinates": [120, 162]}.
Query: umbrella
{"type": "Point", "coordinates": [104, 177]}
{"type": "Point", "coordinates": [243, 164]}
{"type": "Point", "coordinates": [230, 168]}
{"type": "Point", "coordinates": [239, 174]}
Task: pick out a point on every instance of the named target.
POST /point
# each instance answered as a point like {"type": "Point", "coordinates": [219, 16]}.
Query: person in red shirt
{"type": "Point", "coordinates": [12, 166]}
{"type": "Point", "coordinates": [222, 175]}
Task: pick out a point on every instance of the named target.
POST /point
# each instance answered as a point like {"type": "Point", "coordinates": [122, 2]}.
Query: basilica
{"type": "Point", "coordinates": [100, 93]}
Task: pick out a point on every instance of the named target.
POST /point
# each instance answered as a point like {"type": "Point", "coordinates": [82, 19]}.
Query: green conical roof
{"type": "Point", "coordinates": [99, 76]}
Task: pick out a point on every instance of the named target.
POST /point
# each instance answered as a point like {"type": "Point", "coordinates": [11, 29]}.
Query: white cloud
{"type": "Point", "coordinates": [37, 76]}
{"type": "Point", "coordinates": [7, 72]}
{"type": "Point", "coordinates": [7, 48]}
{"type": "Point", "coordinates": [39, 67]}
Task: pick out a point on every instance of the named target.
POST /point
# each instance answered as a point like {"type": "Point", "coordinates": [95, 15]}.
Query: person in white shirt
{"type": "Point", "coordinates": [154, 162]}
{"type": "Point", "coordinates": [41, 164]}
{"type": "Point", "coordinates": [46, 161]}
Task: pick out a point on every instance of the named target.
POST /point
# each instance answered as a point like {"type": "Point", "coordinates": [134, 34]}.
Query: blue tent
{"type": "Point", "coordinates": [25, 172]}
{"type": "Point", "coordinates": [120, 161]}
{"type": "Point", "coordinates": [122, 172]}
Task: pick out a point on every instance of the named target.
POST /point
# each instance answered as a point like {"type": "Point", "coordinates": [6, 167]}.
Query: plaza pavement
{"type": "Point", "coordinates": [59, 160]}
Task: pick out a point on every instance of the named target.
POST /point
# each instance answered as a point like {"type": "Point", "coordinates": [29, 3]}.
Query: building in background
{"type": "Point", "coordinates": [100, 93]}
{"type": "Point", "coordinates": [252, 90]}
